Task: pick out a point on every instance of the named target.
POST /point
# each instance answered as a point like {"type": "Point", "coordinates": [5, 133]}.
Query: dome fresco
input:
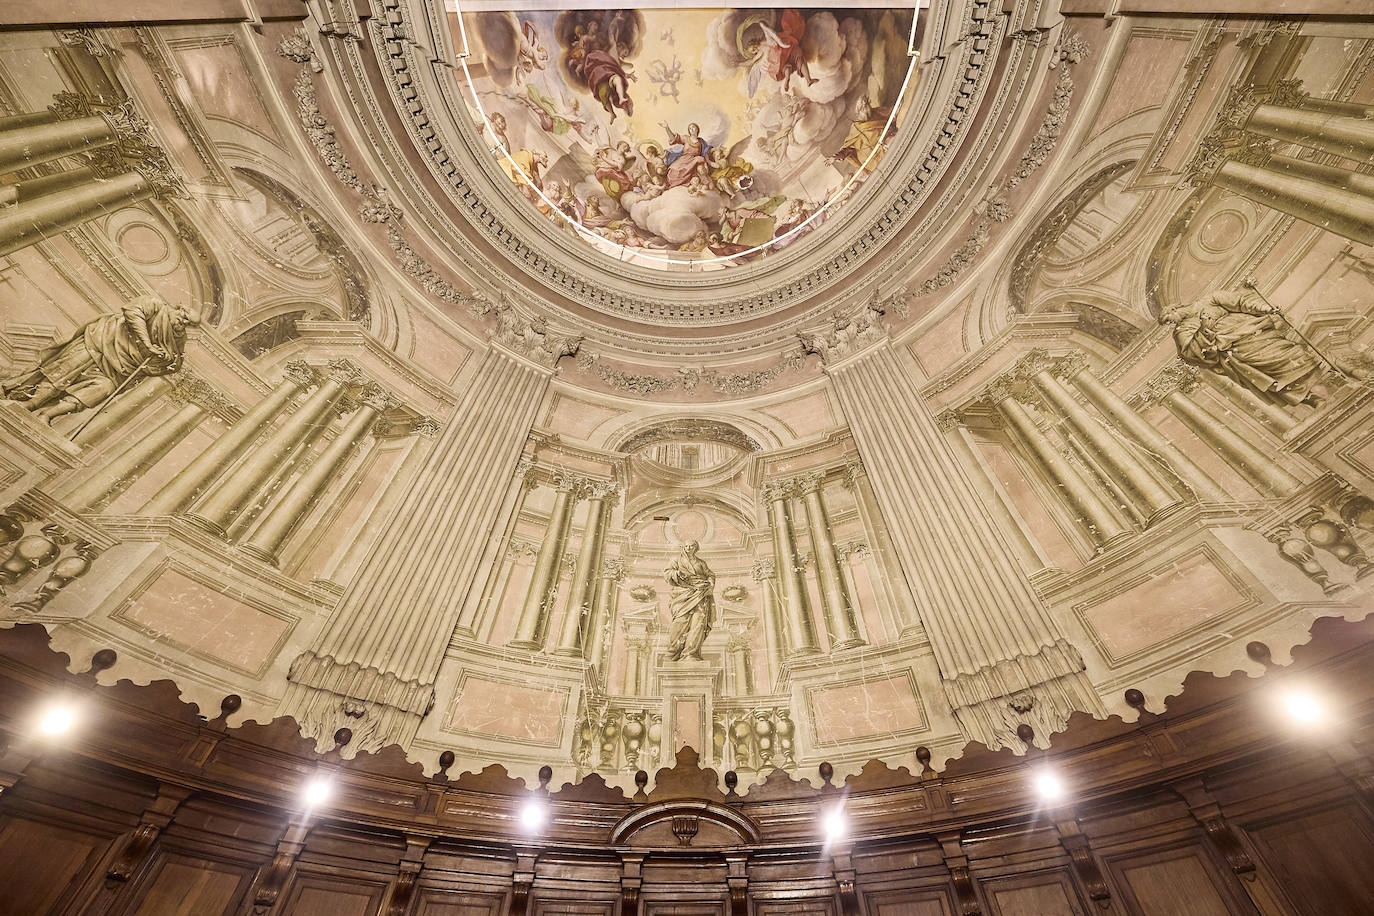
{"type": "Point", "coordinates": [688, 138]}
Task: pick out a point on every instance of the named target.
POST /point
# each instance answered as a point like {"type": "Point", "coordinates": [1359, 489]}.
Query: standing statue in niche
{"type": "Point", "coordinates": [1240, 335]}
{"type": "Point", "coordinates": [692, 602]}
{"type": "Point", "coordinates": [105, 357]}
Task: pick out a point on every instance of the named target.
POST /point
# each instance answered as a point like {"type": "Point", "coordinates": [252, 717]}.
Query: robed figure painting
{"type": "Point", "coordinates": [692, 603]}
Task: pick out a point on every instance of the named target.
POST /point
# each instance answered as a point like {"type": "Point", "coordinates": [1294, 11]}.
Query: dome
{"type": "Point", "coordinates": [467, 402]}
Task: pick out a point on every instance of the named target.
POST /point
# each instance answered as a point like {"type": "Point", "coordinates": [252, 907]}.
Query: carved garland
{"type": "Point", "coordinates": [1070, 50]}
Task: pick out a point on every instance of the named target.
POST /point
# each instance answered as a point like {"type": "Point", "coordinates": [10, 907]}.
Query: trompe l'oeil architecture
{"type": "Point", "coordinates": [626, 398]}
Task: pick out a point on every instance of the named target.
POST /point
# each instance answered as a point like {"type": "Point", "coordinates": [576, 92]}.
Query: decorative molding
{"type": "Point", "coordinates": [1071, 49]}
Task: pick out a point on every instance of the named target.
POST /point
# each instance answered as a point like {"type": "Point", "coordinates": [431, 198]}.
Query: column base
{"type": "Point", "coordinates": [804, 651]}
{"type": "Point", "coordinates": [847, 644]}
{"type": "Point", "coordinates": [267, 556]}
{"type": "Point", "coordinates": [563, 651]}
{"type": "Point", "coordinates": [1164, 512]}
{"type": "Point", "coordinates": [204, 524]}
{"type": "Point", "coordinates": [533, 645]}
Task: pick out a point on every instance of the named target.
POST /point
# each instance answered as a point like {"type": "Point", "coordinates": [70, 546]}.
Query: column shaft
{"type": "Point", "coordinates": [1343, 135]}
{"type": "Point", "coordinates": [895, 588]}
{"type": "Point", "coordinates": [1096, 513]}
{"type": "Point", "coordinates": [1337, 177]}
{"type": "Point", "coordinates": [775, 626]}
{"type": "Point", "coordinates": [534, 615]}
{"type": "Point", "coordinates": [218, 508]}
{"type": "Point", "coordinates": [1027, 552]}
{"type": "Point", "coordinates": [603, 615]}
{"type": "Point", "coordinates": [1342, 212]}
{"type": "Point", "coordinates": [990, 633]}
{"type": "Point", "coordinates": [801, 631]}
{"type": "Point", "coordinates": [1137, 427]}
{"type": "Point", "coordinates": [281, 520]}
{"type": "Point", "coordinates": [839, 612]}
{"type": "Point", "coordinates": [580, 596]}
{"type": "Point", "coordinates": [119, 472]}
{"type": "Point", "coordinates": [1258, 468]}
{"type": "Point", "coordinates": [55, 213]}
{"type": "Point", "coordinates": [383, 645]}
{"type": "Point", "coordinates": [1117, 458]}
{"type": "Point", "coordinates": [36, 142]}
{"type": "Point", "coordinates": [121, 408]}
{"type": "Point", "coordinates": [473, 619]}
{"type": "Point", "coordinates": [192, 480]}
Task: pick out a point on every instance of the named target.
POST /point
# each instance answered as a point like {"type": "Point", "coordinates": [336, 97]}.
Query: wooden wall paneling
{"type": "Point", "coordinates": [431, 901]}
{"type": "Point", "coordinates": [544, 905]}
{"type": "Point", "coordinates": [180, 885]}
{"type": "Point", "coordinates": [808, 906]}
{"type": "Point", "coordinates": [1173, 882]}
{"type": "Point", "coordinates": [1322, 857]}
{"type": "Point", "coordinates": [315, 894]}
{"type": "Point", "coordinates": [43, 866]}
{"type": "Point", "coordinates": [1044, 893]}
{"type": "Point", "coordinates": [908, 902]}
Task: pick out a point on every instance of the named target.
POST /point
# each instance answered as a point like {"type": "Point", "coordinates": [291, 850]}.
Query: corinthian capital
{"type": "Point", "coordinates": [531, 337]}
{"type": "Point", "coordinates": [775, 490]}
{"type": "Point", "coordinates": [1032, 363]}
{"type": "Point", "coordinates": [603, 489]}
{"type": "Point", "coordinates": [345, 371]}
{"type": "Point", "coordinates": [376, 397]}
{"type": "Point", "coordinates": [810, 482]}
{"type": "Point", "coordinates": [299, 373]}
{"type": "Point", "coordinates": [1070, 364]}
{"type": "Point", "coordinates": [1174, 376]}
{"type": "Point", "coordinates": [762, 569]}
{"type": "Point", "coordinates": [948, 420]}
{"type": "Point", "coordinates": [847, 334]}
{"type": "Point", "coordinates": [567, 482]}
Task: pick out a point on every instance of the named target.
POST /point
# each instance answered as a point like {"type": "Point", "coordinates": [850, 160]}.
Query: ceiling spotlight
{"type": "Point", "coordinates": [836, 825]}
{"type": "Point", "coordinates": [318, 792]}
{"type": "Point", "coordinates": [1303, 707]}
{"type": "Point", "coordinates": [57, 719]}
{"type": "Point", "coordinates": [533, 816]}
{"type": "Point", "coordinates": [1049, 785]}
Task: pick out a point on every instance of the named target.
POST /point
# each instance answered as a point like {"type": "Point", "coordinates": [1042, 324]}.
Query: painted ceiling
{"type": "Point", "coordinates": [688, 139]}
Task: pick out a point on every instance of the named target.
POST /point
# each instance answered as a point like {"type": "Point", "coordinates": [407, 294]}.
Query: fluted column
{"type": "Point", "coordinates": [1027, 552]}
{"type": "Point", "coordinates": [764, 572]}
{"type": "Point", "coordinates": [839, 611]}
{"type": "Point", "coordinates": [379, 653]}
{"type": "Point", "coordinates": [1083, 496]}
{"type": "Point", "coordinates": [892, 581]}
{"type": "Point", "coordinates": [602, 622]}
{"type": "Point", "coordinates": [533, 626]}
{"type": "Point", "coordinates": [991, 635]}
{"type": "Point", "coordinates": [223, 503]}
{"type": "Point", "coordinates": [473, 618]}
{"type": "Point", "coordinates": [282, 519]}
{"type": "Point", "coordinates": [795, 607]}
{"type": "Point", "coordinates": [1115, 409]}
{"type": "Point", "coordinates": [579, 617]}
{"type": "Point", "coordinates": [198, 474]}
{"type": "Point", "coordinates": [1119, 461]}
{"type": "Point", "coordinates": [118, 473]}
{"type": "Point", "coordinates": [1172, 386]}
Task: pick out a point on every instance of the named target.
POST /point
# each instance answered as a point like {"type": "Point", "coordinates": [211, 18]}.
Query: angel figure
{"type": "Point", "coordinates": [779, 53]}
{"type": "Point", "coordinates": [665, 77]}
{"type": "Point", "coordinates": [531, 55]}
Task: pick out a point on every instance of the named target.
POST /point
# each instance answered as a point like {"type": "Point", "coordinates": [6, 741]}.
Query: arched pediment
{"type": "Point", "coordinates": [685, 822]}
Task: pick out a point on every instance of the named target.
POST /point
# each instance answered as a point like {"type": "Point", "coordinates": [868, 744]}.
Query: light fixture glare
{"type": "Point", "coordinates": [317, 792]}
{"type": "Point", "coordinates": [836, 825]}
{"type": "Point", "coordinates": [1303, 707]}
{"type": "Point", "coordinates": [1049, 785]}
{"type": "Point", "coordinates": [57, 719]}
{"type": "Point", "coordinates": [533, 815]}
